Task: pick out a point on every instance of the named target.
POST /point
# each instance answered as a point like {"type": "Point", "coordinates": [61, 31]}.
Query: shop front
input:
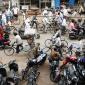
{"type": "Point", "coordinates": [35, 3]}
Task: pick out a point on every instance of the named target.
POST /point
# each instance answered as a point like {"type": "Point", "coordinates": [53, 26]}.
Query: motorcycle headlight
{"type": "Point", "coordinates": [74, 78]}
{"type": "Point", "coordinates": [83, 72]}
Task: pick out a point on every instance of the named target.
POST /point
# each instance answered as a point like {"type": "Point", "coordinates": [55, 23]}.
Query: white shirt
{"type": "Point", "coordinates": [55, 35]}
{"type": "Point", "coordinates": [8, 12]}
{"type": "Point", "coordinates": [65, 12]}
{"type": "Point", "coordinates": [45, 12]}
{"type": "Point", "coordinates": [46, 20]}
{"type": "Point", "coordinates": [82, 44]}
{"type": "Point", "coordinates": [27, 21]}
{"type": "Point", "coordinates": [15, 10]}
{"type": "Point", "coordinates": [50, 15]}
{"type": "Point", "coordinates": [64, 23]}
{"type": "Point", "coordinates": [58, 41]}
{"type": "Point", "coordinates": [18, 40]}
{"type": "Point", "coordinates": [4, 18]}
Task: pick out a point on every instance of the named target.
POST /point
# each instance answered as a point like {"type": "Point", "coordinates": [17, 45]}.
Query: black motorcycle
{"type": "Point", "coordinates": [54, 70]}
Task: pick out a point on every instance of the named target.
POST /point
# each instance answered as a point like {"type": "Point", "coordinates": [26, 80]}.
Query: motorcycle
{"type": "Point", "coordinates": [53, 69]}
{"type": "Point", "coordinates": [77, 34]}
{"type": "Point", "coordinates": [4, 43]}
{"type": "Point", "coordinates": [40, 60]}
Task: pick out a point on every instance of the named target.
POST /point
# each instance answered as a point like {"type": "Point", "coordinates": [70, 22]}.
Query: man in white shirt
{"type": "Point", "coordinates": [18, 41]}
{"type": "Point", "coordinates": [64, 25]}
{"type": "Point", "coordinates": [15, 12]}
{"type": "Point", "coordinates": [27, 26]}
{"type": "Point", "coordinates": [65, 12]}
{"type": "Point", "coordinates": [8, 14]}
{"type": "Point", "coordinates": [46, 23]}
{"type": "Point", "coordinates": [4, 20]}
{"type": "Point", "coordinates": [50, 15]}
{"type": "Point", "coordinates": [82, 44]}
{"type": "Point", "coordinates": [58, 32]}
{"type": "Point", "coordinates": [58, 44]}
{"type": "Point", "coordinates": [45, 13]}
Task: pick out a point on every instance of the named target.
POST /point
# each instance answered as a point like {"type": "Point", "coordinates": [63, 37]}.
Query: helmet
{"type": "Point", "coordinates": [71, 59]}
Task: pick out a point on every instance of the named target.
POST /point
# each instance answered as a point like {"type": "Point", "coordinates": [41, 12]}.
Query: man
{"type": "Point", "coordinates": [27, 26]}
{"type": "Point", "coordinates": [64, 25]}
{"type": "Point", "coordinates": [82, 44]}
{"type": "Point", "coordinates": [58, 44]}
{"type": "Point", "coordinates": [65, 12]}
{"type": "Point", "coordinates": [59, 18]}
{"type": "Point", "coordinates": [46, 23]}
{"type": "Point", "coordinates": [15, 12]}
{"type": "Point", "coordinates": [8, 14]}
{"type": "Point", "coordinates": [4, 20]}
{"type": "Point", "coordinates": [18, 41]}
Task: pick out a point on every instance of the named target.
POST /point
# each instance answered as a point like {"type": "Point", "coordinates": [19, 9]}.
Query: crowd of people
{"type": "Point", "coordinates": [60, 16]}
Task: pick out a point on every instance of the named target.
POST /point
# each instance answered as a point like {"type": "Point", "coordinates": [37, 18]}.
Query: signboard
{"type": "Point", "coordinates": [57, 3]}
{"type": "Point", "coordinates": [25, 7]}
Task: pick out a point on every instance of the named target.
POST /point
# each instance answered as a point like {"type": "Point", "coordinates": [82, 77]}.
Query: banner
{"type": "Point", "coordinates": [57, 3]}
{"type": "Point", "coordinates": [71, 2]}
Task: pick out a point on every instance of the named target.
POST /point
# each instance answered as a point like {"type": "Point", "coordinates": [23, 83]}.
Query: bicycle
{"type": "Point", "coordinates": [11, 49]}
{"type": "Point", "coordinates": [50, 42]}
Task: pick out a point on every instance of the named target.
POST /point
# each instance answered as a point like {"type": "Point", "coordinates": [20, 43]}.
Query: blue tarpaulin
{"type": "Point", "coordinates": [71, 2]}
{"type": "Point", "coordinates": [57, 3]}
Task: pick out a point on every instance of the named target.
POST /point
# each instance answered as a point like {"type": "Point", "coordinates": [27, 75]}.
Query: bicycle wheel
{"type": "Point", "coordinates": [52, 77]}
{"type": "Point", "coordinates": [48, 43]}
{"type": "Point", "coordinates": [9, 51]}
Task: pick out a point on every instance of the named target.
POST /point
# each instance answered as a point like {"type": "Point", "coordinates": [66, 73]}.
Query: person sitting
{"type": "Point", "coordinates": [72, 25]}
{"type": "Point", "coordinates": [58, 44]}
{"type": "Point", "coordinates": [54, 55]}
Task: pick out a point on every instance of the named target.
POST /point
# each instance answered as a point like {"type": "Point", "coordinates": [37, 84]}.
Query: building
{"type": "Point", "coordinates": [33, 3]}
{"type": "Point", "coordinates": [37, 3]}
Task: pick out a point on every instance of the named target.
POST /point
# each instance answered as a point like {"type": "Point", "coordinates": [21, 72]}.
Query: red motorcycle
{"type": "Point", "coordinates": [4, 43]}
{"type": "Point", "coordinates": [71, 59]}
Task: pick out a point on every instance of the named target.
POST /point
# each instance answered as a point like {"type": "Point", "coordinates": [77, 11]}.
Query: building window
{"type": "Point", "coordinates": [24, 2]}
{"type": "Point", "coordinates": [45, 3]}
